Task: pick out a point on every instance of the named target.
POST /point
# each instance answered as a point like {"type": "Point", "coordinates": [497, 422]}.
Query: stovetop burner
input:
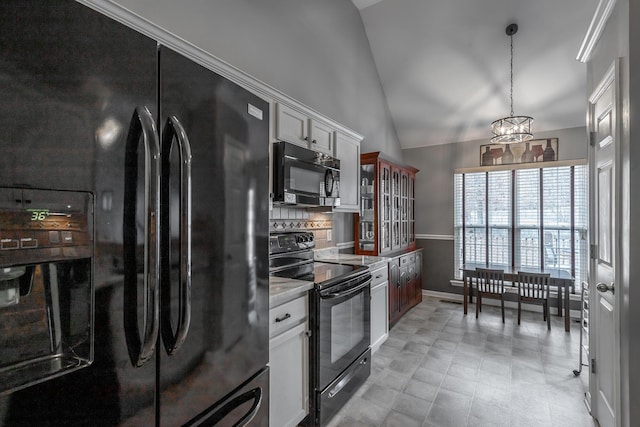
{"type": "Point", "coordinates": [291, 256]}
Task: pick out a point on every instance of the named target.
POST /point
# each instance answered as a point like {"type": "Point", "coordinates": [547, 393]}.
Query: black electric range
{"type": "Point", "coordinates": [339, 321]}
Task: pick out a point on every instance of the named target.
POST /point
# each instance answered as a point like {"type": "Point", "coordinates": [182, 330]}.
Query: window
{"type": "Point", "coordinates": [534, 217]}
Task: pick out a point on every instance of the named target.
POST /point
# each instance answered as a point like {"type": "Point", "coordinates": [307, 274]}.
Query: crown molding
{"type": "Point", "coordinates": [598, 22]}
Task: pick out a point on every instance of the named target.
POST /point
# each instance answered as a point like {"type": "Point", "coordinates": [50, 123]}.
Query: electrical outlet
{"type": "Point", "coordinates": [329, 235]}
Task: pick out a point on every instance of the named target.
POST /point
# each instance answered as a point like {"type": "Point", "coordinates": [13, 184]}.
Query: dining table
{"type": "Point", "coordinates": [560, 278]}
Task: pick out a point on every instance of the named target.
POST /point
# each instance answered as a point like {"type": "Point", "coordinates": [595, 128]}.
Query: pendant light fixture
{"type": "Point", "coordinates": [513, 128]}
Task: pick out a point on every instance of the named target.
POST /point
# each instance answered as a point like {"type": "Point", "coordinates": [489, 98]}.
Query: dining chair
{"type": "Point", "coordinates": [489, 283]}
{"type": "Point", "coordinates": [534, 288]}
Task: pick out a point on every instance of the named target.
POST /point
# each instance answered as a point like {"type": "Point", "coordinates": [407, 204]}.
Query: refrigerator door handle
{"type": "Point", "coordinates": [254, 394]}
{"type": "Point", "coordinates": [172, 342]}
{"type": "Point", "coordinates": [142, 126]}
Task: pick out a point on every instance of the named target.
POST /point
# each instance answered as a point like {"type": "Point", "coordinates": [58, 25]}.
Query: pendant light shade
{"type": "Point", "coordinates": [513, 128]}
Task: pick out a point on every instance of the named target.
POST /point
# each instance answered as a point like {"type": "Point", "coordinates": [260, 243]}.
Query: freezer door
{"type": "Point", "coordinates": [215, 306]}
{"type": "Point", "coordinates": [247, 406]}
{"type": "Point", "coordinates": [71, 81]}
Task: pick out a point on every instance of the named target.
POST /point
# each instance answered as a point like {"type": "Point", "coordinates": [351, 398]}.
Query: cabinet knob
{"type": "Point", "coordinates": [314, 141]}
{"type": "Point", "coordinates": [306, 138]}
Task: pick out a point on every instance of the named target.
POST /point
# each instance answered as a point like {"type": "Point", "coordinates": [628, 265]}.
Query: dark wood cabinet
{"type": "Point", "coordinates": [405, 284]}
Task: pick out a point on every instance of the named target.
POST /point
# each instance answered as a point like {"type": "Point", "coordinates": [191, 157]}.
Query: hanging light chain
{"type": "Point", "coordinates": [511, 94]}
{"type": "Point", "coordinates": [513, 128]}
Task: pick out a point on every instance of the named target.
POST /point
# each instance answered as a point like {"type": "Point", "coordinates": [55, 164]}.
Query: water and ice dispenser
{"type": "Point", "coordinates": [46, 287]}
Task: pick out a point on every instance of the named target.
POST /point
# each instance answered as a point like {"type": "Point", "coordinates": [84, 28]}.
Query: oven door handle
{"type": "Point", "coordinates": [346, 380]}
{"type": "Point", "coordinates": [332, 295]}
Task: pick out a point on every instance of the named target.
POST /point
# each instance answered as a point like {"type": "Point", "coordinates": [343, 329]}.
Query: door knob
{"type": "Point", "coordinates": [603, 287]}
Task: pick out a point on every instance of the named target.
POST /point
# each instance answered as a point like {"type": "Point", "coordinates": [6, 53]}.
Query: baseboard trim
{"type": "Point", "coordinates": [376, 345]}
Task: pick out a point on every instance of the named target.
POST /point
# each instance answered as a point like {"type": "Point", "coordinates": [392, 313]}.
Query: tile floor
{"type": "Point", "coordinates": [441, 368]}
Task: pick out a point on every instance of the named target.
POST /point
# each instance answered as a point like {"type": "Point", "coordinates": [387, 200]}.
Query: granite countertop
{"type": "Point", "coordinates": [282, 289]}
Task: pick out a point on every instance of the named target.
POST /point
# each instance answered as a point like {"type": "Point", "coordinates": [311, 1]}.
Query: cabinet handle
{"type": "Point", "coordinates": [283, 318]}
{"type": "Point", "coordinates": [379, 276]}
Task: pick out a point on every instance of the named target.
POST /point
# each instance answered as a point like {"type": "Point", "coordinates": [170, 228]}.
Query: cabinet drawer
{"type": "Point", "coordinates": [379, 275]}
{"type": "Point", "coordinates": [287, 315]}
{"type": "Point", "coordinates": [407, 259]}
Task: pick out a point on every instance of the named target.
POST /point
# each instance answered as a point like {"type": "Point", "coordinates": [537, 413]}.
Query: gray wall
{"type": "Point", "coordinates": [314, 51]}
{"type": "Point", "coordinates": [434, 195]}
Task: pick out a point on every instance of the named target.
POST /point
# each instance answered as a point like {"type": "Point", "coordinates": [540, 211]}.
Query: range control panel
{"type": "Point", "coordinates": [44, 225]}
{"type": "Point", "coordinates": [290, 241]}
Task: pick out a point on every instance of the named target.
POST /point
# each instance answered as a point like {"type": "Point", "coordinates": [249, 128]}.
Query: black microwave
{"type": "Point", "coordinates": [304, 177]}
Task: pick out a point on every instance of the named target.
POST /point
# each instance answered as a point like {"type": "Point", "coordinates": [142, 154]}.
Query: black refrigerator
{"type": "Point", "coordinates": [147, 304]}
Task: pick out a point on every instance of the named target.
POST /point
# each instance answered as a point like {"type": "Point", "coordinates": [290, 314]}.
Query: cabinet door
{"type": "Point", "coordinates": [405, 293]}
{"type": "Point", "coordinates": [411, 210]}
{"type": "Point", "coordinates": [379, 315]}
{"type": "Point", "coordinates": [289, 370]}
{"type": "Point", "coordinates": [412, 282]}
{"type": "Point", "coordinates": [404, 209]}
{"type": "Point", "coordinates": [322, 138]}
{"type": "Point", "coordinates": [385, 211]}
{"type": "Point", "coordinates": [394, 291]}
{"type": "Point", "coordinates": [418, 276]}
{"type": "Point", "coordinates": [292, 126]}
{"type": "Point", "coordinates": [348, 151]}
{"type": "Point", "coordinates": [396, 216]}
{"type": "Point", "coordinates": [365, 222]}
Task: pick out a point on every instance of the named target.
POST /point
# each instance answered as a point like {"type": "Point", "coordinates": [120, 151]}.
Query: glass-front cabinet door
{"type": "Point", "coordinates": [404, 208]}
{"type": "Point", "coordinates": [367, 225]}
{"type": "Point", "coordinates": [385, 207]}
{"type": "Point", "coordinates": [411, 210]}
{"type": "Point", "coordinates": [396, 209]}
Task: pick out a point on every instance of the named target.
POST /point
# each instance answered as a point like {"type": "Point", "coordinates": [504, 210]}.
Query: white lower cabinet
{"type": "Point", "coordinates": [379, 307]}
{"type": "Point", "coordinates": [289, 367]}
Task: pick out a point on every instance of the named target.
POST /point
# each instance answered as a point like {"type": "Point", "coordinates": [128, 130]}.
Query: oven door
{"type": "Point", "coordinates": [343, 327]}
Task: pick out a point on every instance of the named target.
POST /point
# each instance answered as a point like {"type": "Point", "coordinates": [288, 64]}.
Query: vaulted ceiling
{"type": "Point", "coordinates": [444, 64]}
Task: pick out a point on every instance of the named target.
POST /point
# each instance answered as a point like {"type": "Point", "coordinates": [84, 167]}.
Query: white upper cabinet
{"type": "Point", "coordinates": [322, 137]}
{"type": "Point", "coordinates": [348, 151]}
{"type": "Point", "coordinates": [297, 128]}
{"type": "Point", "coordinates": [292, 125]}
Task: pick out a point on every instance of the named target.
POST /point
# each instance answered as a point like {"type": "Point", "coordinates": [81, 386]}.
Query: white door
{"type": "Point", "coordinates": [604, 334]}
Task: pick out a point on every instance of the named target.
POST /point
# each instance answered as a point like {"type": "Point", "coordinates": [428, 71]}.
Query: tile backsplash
{"type": "Point", "coordinates": [296, 219]}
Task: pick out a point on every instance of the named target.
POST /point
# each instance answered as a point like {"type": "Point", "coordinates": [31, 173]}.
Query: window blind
{"type": "Point", "coordinates": [457, 220]}
{"type": "Point", "coordinates": [527, 221]}
{"type": "Point", "coordinates": [499, 216]}
{"type": "Point", "coordinates": [475, 211]}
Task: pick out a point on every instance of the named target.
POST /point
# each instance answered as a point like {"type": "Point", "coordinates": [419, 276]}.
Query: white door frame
{"type": "Point", "coordinates": [610, 79]}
